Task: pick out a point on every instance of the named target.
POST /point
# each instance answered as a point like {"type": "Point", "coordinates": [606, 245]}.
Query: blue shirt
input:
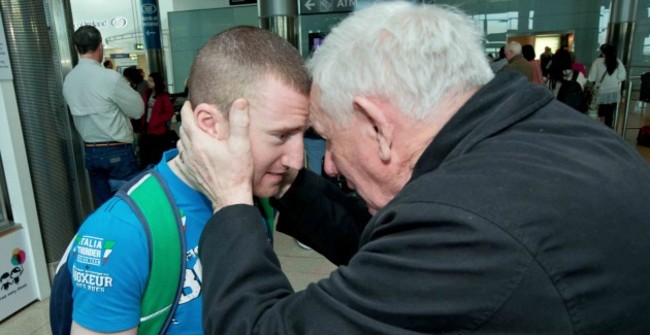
{"type": "Point", "coordinates": [109, 262]}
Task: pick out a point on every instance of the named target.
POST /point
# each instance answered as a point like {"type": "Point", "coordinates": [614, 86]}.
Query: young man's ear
{"type": "Point", "coordinates": [375, 111]}
{"type": "Point", "coordinates": [211, 121]}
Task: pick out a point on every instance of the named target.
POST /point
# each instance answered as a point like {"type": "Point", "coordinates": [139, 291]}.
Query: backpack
{"type": "Point", "coordinates": [643, 138]}
{"type": "Point", "coordinates": [571, 94]}
{"type": "Point", "coordinates": [150, 199]}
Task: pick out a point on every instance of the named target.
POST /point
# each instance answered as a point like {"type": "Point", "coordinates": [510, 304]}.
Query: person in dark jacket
{"type": "Point", "coordinates": [488, 207]}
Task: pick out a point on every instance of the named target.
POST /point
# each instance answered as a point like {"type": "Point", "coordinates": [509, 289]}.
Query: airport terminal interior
{"type": "Point", "coordinates": [44, 188]}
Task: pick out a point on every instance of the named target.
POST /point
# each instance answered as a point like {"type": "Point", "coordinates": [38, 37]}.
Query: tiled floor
{"type": "Point", "coordinates": [301, 266]}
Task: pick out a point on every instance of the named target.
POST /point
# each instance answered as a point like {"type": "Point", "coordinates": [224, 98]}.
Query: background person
{"type": "Point", "coordinates": [154, 124]}
{"type": "Point", "coordinates": [500, 62]}
{"type": "Point", "coordinates": [109, 64]}
{"type": "Point", "coordinates": [516, 61]}
{"type": "Point", "coordinates": [577, 66]}
{"type": "Point", "coordinates": [495, 208]}
{"type": "Point", "coordinates": [102, 103]}
{"type": "Point", "coordinates": [528, 51]}
{"type": "Point", "coordinates": [562, 71]}
{"type": "Point", "coordinates": [608, 72]}
{"type": "Point", "coordinates": [545, 59]}
{"type": "Point", "coordinates": [135, 79]}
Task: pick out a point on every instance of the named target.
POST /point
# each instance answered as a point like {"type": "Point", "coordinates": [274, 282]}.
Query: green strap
{"type": "Point", "coordinates": [269, 212]}
{"type": "Point", "coordinates": [167, 254]}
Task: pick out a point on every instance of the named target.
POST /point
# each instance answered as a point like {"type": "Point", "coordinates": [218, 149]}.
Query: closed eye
{"type": "Point", "coordinates": [284, 135]}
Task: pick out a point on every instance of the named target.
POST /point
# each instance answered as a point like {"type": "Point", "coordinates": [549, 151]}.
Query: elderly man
{"type": "Point", "coordinates": [102, 103]}
{"type": "Point", "coordinates": [105, 289]}
{"type": "Point", "coordinates": [491, 208]}
{"type": "Point", "coordinates": [516, 61]}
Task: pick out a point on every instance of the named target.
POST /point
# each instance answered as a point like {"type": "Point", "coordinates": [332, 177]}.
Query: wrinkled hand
{"type": "Point", "coordinates": [222, 167]}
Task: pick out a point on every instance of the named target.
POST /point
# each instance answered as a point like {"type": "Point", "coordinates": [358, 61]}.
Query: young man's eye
{"type": "Point", "coordinates": [283, 137]}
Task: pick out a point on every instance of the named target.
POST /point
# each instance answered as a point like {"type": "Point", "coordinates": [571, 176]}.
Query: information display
{"type": "Point", "coordinates": [5, 66]}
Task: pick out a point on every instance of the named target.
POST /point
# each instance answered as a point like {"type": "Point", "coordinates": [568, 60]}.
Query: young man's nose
{"type": "Point", "coordinates": [294, 154]}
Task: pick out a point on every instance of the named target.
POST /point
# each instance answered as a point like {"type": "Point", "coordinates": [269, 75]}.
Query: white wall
{"type": "Point", "coordinates": [199, 4]}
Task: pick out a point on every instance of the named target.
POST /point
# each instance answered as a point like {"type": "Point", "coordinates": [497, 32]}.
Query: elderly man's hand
{"type": "Point", "coordinates": [221, 167]}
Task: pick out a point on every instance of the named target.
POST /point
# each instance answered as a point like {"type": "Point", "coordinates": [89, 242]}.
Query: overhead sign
{"type": "Point", "coordinates": [150, 24]}
{"type": "Point", "coordinates": [5, 66]}
{"type": "Point", "coordinates": [326, 6]}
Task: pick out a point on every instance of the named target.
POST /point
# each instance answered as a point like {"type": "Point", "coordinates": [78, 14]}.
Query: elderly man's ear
{"type": "Point", "coordinates": [211, 121]}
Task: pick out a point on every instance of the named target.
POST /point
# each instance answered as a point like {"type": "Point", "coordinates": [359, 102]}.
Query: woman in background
{"type": "Point", "coordinates": [154, 123]}
{"type": "Point", "coordinates": [560, 71]}
{"type": "Point", "coordinates": [608, 72]}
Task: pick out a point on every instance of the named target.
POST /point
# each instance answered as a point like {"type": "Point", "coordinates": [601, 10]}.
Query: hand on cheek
{"type": "Point", "coordinates": [216, 153]}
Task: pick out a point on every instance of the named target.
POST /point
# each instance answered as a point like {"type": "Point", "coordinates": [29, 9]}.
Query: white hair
{"type": "Point", "coordinates": [514, 47]}
{"type": "Point", "coordinates": [415, 56]}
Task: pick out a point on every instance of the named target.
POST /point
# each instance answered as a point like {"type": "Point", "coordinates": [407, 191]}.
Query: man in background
{"type": "Point", "coordinates": [516, 61]}
{"type": "Point", "coordinates": [109, 64]}
{"type": "Point", "coordinates": [102, 103]}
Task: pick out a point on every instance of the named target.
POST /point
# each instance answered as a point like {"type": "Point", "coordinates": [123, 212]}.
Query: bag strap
{"type": "Point", "coordinates": [575, 75]}
{"type": "Point", "coordinates": [268, 216]}
{"type": "Point", "coordinates": [603, 77]}
{"type": "Point", "coordinates": [150, 199]}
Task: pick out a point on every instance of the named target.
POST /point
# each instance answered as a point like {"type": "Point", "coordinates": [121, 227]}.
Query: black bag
{"type": "Point", "coordinates": [643, 138]}
{"type": "Point", "coordinates": [572, 95]}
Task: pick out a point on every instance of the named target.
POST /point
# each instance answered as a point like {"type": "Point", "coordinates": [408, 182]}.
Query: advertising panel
{"type": "Point", "coordinates": [17, 288]}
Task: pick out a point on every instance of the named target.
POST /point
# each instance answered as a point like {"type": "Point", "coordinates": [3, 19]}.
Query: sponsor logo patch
{"type": "Point", "coordinates": [92, 250]}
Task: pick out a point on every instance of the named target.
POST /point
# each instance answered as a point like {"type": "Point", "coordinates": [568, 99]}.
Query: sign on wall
{"type": "Point", "coordinates": [17, 288]}
{"type": "Point", "coordinates": [5, 66]}
{"type": "Point", "coordinates": [151, 24]}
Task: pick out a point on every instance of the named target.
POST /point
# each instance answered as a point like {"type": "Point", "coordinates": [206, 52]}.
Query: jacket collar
{"type": "Point", "coordinates": [502, 102]}
{"type": "Point", "coordinates": [516, 58]}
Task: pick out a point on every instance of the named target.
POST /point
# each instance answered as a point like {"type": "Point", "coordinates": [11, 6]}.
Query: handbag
{"type": "Point", "coordinates": [592, 94]}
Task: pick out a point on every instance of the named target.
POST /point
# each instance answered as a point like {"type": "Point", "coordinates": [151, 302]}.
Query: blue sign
{"type": "Point", "coordinates": [325, 6]}
{"type": "Point", "coordinates": [150, 24]}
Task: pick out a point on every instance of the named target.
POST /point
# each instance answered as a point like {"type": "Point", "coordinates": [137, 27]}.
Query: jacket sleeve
{"type": "Point", "coordinates": [168, 108]}
{"type": "Point", "coordinates": [163, 110]}
{"type": "Point", "coordinates": [317, 213]}
{"type": "Point", "coordinates": [416, 273]}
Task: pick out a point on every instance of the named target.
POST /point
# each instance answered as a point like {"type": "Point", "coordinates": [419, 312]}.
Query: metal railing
{"type": "Point", "coordinates": [628, 100]}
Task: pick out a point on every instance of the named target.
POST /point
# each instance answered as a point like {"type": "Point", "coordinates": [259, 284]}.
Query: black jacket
{"type": "Point", "coordinates": [522, 216]}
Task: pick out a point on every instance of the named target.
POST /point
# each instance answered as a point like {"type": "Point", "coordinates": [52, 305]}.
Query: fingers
{"type": "Point", "coordinates": [187, 112]}
{"type": "Point", "coordinates": [187, 122]}
{"type": "Point", "coordinates": [238, 124]}
{"type": "Point", "coordinates": [179, 143]}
